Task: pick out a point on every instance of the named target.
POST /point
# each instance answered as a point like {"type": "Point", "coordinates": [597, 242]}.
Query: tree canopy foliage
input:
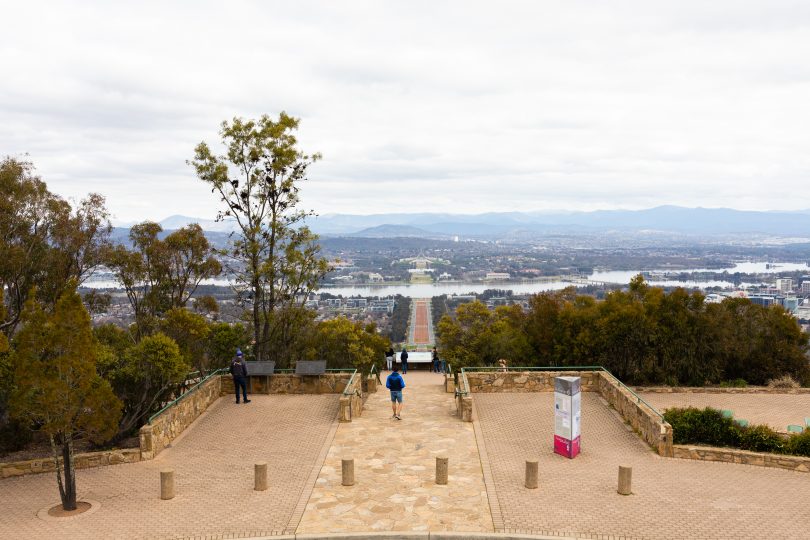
{"type": "Point", "coordinates": [343, 343]}
{"type": "Point", "coordinates": [161, 275]}
{"type": "Point", "coordinates": [44, 242]}
{"type": "Point", "coordinates": [258, 181]}
{"type": "Point", "coordinates": [643, 335]}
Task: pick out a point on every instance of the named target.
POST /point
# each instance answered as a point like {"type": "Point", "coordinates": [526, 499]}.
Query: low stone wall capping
{"type": "Point", "coordinates": [289, 383]}
{"type": "Point", "coordinates": [81, 461]}
{"type": "Point", "coordinates": [719, 390]}
{"type": "Point", "coordinates": [169, 424]}
{"type": "Point", "coordinates": [732, 455]}
{"type": "Point", "coordinates": [641, 417]}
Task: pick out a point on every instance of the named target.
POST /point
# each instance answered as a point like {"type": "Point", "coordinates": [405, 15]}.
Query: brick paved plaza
{"type": "Point", "coordinates": [775, 410]}
{"type": "Point", "coordinates": [302, 442]}
{"type": "Point", "coordinates": [672, 498]}
{"type": "Point", "coordinates": [213, 463]}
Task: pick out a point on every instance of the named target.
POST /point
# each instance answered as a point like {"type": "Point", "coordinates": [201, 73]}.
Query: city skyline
{"type": "Point", "coordinates": [419, 107]}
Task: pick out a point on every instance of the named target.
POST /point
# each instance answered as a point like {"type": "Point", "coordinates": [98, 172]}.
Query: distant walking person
{"type": "Point", "coordinates": [389, 358]}
{"type": "Point", "coordinates": [435, 358]}
{"type": "Point", "coordinates": [403, 358]}
{"type": "Point", "coordinates": [395, 383]}
{"type": "Point", "coordinates": [240, 374]}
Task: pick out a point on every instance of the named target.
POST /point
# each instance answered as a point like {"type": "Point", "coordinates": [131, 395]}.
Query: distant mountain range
{"type": "Point", "coordinates": [663, 219]}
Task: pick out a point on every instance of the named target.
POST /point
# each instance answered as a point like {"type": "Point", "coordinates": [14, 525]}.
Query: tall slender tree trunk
{"type": "Point", "coordinates": [69, 498]}
{"type": "Point", "coordinates": [58, 468]}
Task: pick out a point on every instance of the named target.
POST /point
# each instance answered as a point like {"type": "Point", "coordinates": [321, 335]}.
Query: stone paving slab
{"type": "Point", "coordinates": [671, 499]}
{"type": "Point", "coordinates": [775, 410]}
{"type": "Point", "coordinates": [395, 466]}
{"type": "Point", "coordinates": [213, 463]}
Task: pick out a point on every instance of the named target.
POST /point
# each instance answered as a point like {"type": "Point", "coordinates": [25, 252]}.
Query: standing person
{"type": "Point", "coordinates": [389, 358]}
{"type": "Point", "coordinates": [240, 373]}
{"type": "Point", "coordinates": [403, 357]}
{"type": "Point", "coordinates": [435, 358]}
{"type": "Point", "coordinates": [395, 383]}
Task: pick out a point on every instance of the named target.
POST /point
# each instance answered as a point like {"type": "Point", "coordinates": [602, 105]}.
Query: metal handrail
{"type": "Point", "coordinates": [465, 390]}
{"type": "Point", "coordinates": [348, 384]}
{"type": "Point", "coordinates": [187, 393]}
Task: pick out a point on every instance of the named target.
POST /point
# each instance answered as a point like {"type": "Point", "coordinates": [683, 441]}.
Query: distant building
{"type": "Point", "coordinates": [784, 284]}
{"type": "Point", "coordinates": [496, 276]}
{"type": "Point", "coordinates": [805, 286]}
{"type": "Point", "coordinates": [374, 277]}
{"type": "Point", "coordinates": [765, 300]}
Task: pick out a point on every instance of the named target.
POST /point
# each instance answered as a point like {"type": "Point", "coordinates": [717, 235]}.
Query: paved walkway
{"type": "Point", "coordinates": [672, 498]}
{"type": "Point", "coordinates": [775, 410]}
{"type": "Point", "coordinates": [395, 466]}
{"type": "Point", "coordinates": [213, 462]}
{"type": "Point", "coordinates": [420, 331]}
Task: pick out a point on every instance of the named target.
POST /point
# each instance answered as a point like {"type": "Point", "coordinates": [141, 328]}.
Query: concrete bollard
{"type": "Point", "coordinates": [531, 475]}
{"type": "Point", "coordinates": [167, 484]}
{"type": "Point", "coordinates": [347, 472]}
{"type": "Point", "coordinates": [625, 480]}
{"type": "Point", "coordinates": [260, 476]}
{"type": "Point", "coordinates": [441, 470]}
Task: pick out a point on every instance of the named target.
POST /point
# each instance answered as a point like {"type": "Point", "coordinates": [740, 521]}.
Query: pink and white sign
{"type": "Point", "coordinates": [567, 417]}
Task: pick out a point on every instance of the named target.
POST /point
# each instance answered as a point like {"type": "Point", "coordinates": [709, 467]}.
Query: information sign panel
{"type": "Point", "coordinates": [567, 417]}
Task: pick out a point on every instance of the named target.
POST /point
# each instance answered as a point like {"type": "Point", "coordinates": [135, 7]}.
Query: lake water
{"type": "Point", "coordinates": [436, 289]}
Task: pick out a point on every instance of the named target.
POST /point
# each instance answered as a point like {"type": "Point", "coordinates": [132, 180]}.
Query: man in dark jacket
{"type": "Point", "coordinates": [403, 358]}
{"type": "Point", "coordinates": [395, 383]}
{"type": "Point", "coordinates": [240, 374]}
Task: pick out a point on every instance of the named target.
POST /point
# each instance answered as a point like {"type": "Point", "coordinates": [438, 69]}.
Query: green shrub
{"type": "Point", "coordinates": [761, 438]}
{"type": "Point", "coordinates": [736, 383]}
{"type": "Point", "coordinates": [799, 444]}
{"type": "Point", "coordinates": [702, 426]}
{"type": "Point", "coordinates": [708, 426]}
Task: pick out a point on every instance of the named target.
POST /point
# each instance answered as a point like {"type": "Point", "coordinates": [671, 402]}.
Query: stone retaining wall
{"type": "Point", "coordinates": [525, 381]}
{"type": "Point", "coordinates": [642, 418]}
{"type": "Point", "coordinates": [717, 390]}
{"type": "Point", "coordinates": [172, 422]}
{"type": "Point", "coordinates": [81, 461]}
{"type": "Point", "coordinates": [731, 455]}
{"type": "Point", "coordinates": [289, 383]}
{"type": "Point", "coordinates": [449, 383]}
{"type": "Point", "coordinates": [370, 384]}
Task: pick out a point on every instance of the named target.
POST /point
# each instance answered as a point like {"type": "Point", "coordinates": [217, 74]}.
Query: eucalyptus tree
{"type": "Point", "coordinates": [161, 275]}
{"type": "Point", "coordinates": [45, 244]}
{"type": "Point", "coordinates": [275, 258]}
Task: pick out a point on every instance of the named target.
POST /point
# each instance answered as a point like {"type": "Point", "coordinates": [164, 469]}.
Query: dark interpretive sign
{"type": "Point", "coordinates": [260, 368]}
{"type": "Point", "coordinates": [310, 367]}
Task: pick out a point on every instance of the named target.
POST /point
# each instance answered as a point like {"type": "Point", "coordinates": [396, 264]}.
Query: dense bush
{"type": "Point", "coordinates": [708, 426]}
{"type": "Point", "coordinates": [761, 439]}
{"type": "Point", "coordinates": [799, 444]}
{"type": "Point", "coordinates": [702, 426]}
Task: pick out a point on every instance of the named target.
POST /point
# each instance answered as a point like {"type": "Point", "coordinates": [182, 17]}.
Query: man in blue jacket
{"type": "Point", "coordinates": [395, 383]}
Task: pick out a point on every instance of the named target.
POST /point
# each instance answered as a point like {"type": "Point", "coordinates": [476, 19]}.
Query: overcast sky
{"type": "Point", "coordinates": [420, 106]}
